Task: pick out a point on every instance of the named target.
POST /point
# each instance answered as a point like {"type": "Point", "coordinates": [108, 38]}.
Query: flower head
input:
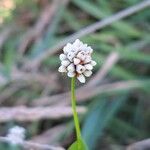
{"type": "Point", "coordinates": [16, 135]}
{"type": "Point", "coordinates": [76, 60]}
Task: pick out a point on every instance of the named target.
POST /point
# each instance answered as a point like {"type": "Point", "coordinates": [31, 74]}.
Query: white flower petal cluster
{"type": "Point", "coordinates": [16, 135]}
{"type": "Point", "coordinates": [76, 60]}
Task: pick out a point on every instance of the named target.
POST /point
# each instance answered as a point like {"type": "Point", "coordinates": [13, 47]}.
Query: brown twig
{"type": "Point", "coordinates": [22, 113]}
{"type": "Point", "coordinates": [87, 30]}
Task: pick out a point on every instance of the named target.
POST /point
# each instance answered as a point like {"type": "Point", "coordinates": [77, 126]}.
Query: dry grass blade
{"type": "Point", "coordinates": [22, 113]}
{"type": "Point", "coordinates": [31, 145]}
{"type": "Point", "coordinates": [36, 31]}
{"type": "Point", "coordinates": [50, 136]}
{"type": "Point", "coordinates": [85, 93]}
{"type": "Point", "coordinates": [43, 79]}
{"type": "Point", "coordinates": [141, 145]}
{"type": "Point", "coordinates": [5, 34]}
{"type": "Point", "coordinates": [103, 71]}
{"type": "Point", "coordinates": [87, 30]}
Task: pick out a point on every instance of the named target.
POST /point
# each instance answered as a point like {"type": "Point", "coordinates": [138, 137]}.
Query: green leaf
{"type": "Point", "coordinates": [98, 118]}
{"type": "Point", "coordinates": [90, 8]}
{"type": "Point", "coordinates": [72, 21]}
{"type": "Point", "coordinates": [127, 53]}
{"type": "Point", "coordinates": [78, 145]}
{"type": "Point", "coordinates": [122, 27]}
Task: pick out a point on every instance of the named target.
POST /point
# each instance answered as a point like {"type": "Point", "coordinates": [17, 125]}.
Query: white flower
{"type": "Point", "coordinates": [76, 60]}
{"type": "Point", "coordinates": [16, 135]}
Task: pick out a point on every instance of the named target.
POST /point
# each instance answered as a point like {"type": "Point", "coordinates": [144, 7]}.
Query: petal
{"type": "Point", "coordinates": [71, 74]}
{"type": "Point", "coordinates": [81, 78]}
{"type": "Point", "coordinates": [93, 63]}
{"type": "Point", "coordinates": [71, 67]}
{"type": "Point", "coordinates": [62, 69]}
{"type": "Point", "coordinates": [62, 57]}
{"type": "Point", "coordinates": [65, 63]}
{"type": "Point", "coordinates": [76, 61]}
{"type": "Point", "coordinates": [87, 73]}
{"type": "Point", "coordinates": [88, 66]}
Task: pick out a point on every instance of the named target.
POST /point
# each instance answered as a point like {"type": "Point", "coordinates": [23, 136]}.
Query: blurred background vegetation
{"type": "Point", "coordinates": [117, 105]}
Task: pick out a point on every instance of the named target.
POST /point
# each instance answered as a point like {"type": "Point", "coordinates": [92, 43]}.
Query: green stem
{"type": "Point", "coordinates": [75, 114]}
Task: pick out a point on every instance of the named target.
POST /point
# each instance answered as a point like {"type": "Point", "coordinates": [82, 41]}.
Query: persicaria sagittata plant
{"type": "Point", "coordinates": [76, 61]}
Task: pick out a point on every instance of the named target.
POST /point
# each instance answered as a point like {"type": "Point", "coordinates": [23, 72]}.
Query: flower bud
{"type": "Point", "coordinates": [88, 73]}
{"type": "Point", "coordinates": [81, 55]}
{"type": "Point", "coordinates": [71, 74]}
{"type": "Point", "coordinates": [62, 57]}
{"type": "Point", "coordinates": [81, 78]}
{"type": "Point", "coordinates": [76, 61]}
{"type": "Point", "coordinates": [88, 66]}
{"type": "Point", "coordinates": [80, 69]}
{"type": "Point", "coordinates": [70, 56]}
{"type": "Point", "coordinates": [93, 63]}
{"type": "Point", "coordinates": [65, 63]}
{"type": "Point", "coordinates": [71, 67]}
{"type": "Point", "coordinates": [62, 69]}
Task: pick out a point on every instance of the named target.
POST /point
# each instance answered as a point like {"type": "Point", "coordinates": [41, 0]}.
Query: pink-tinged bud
{"type": "Point", "coordinates": [81, 55]}
{"type": "Point", "coordinates": [76, 61]}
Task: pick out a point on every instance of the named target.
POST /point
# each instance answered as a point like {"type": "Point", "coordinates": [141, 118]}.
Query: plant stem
{"type": "Point", "coordinates": [75, 115]}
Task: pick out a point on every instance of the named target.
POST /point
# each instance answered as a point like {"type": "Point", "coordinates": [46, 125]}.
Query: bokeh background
{"type": "Point", "coordinates": [114, 103]}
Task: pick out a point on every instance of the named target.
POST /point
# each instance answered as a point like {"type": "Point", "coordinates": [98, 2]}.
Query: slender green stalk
{"type": "Point", "coordinates": [75, 115]}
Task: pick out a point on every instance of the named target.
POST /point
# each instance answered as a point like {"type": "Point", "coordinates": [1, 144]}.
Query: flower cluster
{"type": "Point", "coordinates": [76, 60]}
{"type": "Point", "coordinates": [16, 135]}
